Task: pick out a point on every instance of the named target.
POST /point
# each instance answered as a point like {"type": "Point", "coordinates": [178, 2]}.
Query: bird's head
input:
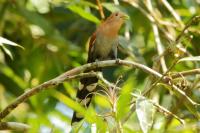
{"type": "Point", "coordinates": [118, 17]}
{"type": "Point", "coordinates": [111, 26]}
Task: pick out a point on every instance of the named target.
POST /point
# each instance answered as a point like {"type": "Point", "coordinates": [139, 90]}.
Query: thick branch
{"type": "Point", "coordinates": [72, 74]}
{"type": "Point", "coordinates": [75, 73]}
{"type": "Point", "coordinates": [39, 88]}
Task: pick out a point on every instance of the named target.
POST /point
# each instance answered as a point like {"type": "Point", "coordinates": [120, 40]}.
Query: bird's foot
{"type": "Point", "coordinates": [117, 60]}
{"type": "Point", "coordinates": [96, 63]}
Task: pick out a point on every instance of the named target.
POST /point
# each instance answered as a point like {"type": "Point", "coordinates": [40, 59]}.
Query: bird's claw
{"type": "Point", "coordinates": [117, 60]}
{"type": "Point", "coordinates": [96, 63]}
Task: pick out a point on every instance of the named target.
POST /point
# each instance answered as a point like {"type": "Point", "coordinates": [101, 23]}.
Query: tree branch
{"type": "Point", "coordinates": [158, 42]}
{"type": "Point", "coordinates": [76, 73]}
{"type": "Point", "coordinates": [188, 24]}
{"type": "Point", "coordinates": [162, 109]}
{"type": "Point", "coordinates": [100, 9]}
{"type": "Point", "coordinates": [72, 74]}
{"type": "Point", "coordinates": [185, 73]}
{"type": "Point", "coordinates": [173, 12]}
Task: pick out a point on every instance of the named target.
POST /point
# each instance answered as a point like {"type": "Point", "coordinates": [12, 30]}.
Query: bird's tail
{"type": "Point", "coordinates": [84, 95]}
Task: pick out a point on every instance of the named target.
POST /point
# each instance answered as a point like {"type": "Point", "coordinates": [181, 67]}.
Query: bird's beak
{"type": "Point", "coordinates": [126, 17]}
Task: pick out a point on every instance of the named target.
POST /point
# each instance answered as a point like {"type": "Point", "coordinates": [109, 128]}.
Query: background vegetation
{"type": "Point", "coordinates": [49, 37]}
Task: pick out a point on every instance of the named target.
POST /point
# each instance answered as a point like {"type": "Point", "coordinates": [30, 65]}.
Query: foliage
{"type": "Point", "coordinates": [41, 39]}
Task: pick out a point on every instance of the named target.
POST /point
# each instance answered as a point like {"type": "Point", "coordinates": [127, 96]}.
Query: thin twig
{"type": "Point", "coordinates": [146, 14]}
{"type": "Point", "coordinates": [106, 82]}
{"type": "Point", "coordinates": [132, 109]}
{"type": "Point", "coordinates": [161, 109]}
{"type": "Point", "coordinates": [159, 47]}
{"type": "Point", "coordinates": [172, 11]}
{"type": "Point", "coordinates": [165, 111]}
{"type": "Point", "coordinates": [185, 73]}
{"type": "Point", "coordinates": [189, 23]}
{"type": "Point", "coordinates": [14, 126]}
{"type": "Point", "coordinates": [100, 9]}
{"type": "Point", "coordinates": [157, 39]}
{"type": "Point", "coordinates": [168, 70]}
{"type": "Point", "coordinates": [146, 92]}
{"type": "Point", "coordinates": [153, 19]}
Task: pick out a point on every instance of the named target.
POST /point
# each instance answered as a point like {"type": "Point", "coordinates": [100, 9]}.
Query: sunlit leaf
{"type": "Point", "coordinates": [102, 101]}
{"type": "Point", "coordinates": [8, 42]}
{"type": "Point", "coordinates": [69, 102]}
{"type": "Point", "coordinates": [7, 51]}
{"type": "Point", "coordinates": [41, 5]}
{"type": "Point", "coordinates": [123, 103]}
{"type": "Point", "coordinates": [144, 111]}
{"type": "Point", "coordinates": [87, 3]}
{"type": "Point", "coordinates": [10, 73]}
{"type": "Point", "coordinates": [77, 127]}
{"type": "Point", "coordinates": [90, 115]}
{"type": "Point", "coordinates": [70, 89]}
{"type": "Point", "coordinates": [111, 7]}
{"type": "Point", "coordinates": [78, 10]}
{"type": "Point", "coordinates": [44, 24]}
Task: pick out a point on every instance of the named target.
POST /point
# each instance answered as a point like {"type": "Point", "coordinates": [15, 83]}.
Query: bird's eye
{"type": "Point", "coordinates": [116, 14]}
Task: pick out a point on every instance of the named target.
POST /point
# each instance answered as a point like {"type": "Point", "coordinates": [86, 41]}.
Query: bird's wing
{"type": "Point", "coordinates": [91, 47]}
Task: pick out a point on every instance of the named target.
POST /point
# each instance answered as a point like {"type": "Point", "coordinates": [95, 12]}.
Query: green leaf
{"type": "Point", "coordinates": [111, 7]}
{"type": "Point", "coordinates": [7, 51]}
{"type": "Point", "coordinates": [191, 105]}
{"type": "Point", "coordinates": [144, 111]}
{"type": "Point", "coordinates": [52, 33]}
{"type": "Point", "coordinates": [11, 74]}
{"type": "Point", "coordinates": [8, 42]}
{"type": "Point", "coordinates": [69, 102]}
{"type": "Point", "coordinates": [42, 6]}
{"type": "Point", "coordinates": [90, 115]}
{"type": "Point", "coordinates": [87, 3]}
{"type": "Point", "coordinates": [70, 89]}
{"type": "Point", "coordinates": [86, 15]}
{"type": "Point", "coordinates": [102, 101]}
{"type": "Point", "coordinates": [194, 58]}
{"type": "Point", "coordinates": [123, 102]}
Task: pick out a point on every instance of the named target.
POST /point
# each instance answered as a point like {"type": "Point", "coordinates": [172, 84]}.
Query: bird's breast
{"type": "Point", "coordinates": [104, 45]}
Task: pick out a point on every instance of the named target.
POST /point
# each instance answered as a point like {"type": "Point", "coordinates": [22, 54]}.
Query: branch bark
{"type": "Point", "coordinates": [75, 73]}
{"type": "Point", "coordinates": [185, 73]}
{"type": "Point", "coordinates": [100, 9]}
{"type": "Point", "coordinates": [72, 74]}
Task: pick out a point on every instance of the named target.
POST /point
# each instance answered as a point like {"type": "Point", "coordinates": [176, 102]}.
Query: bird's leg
{"type": "Point", "coordinates": [113, 53]}
{"type": "Point", "coordinates": [96, 62]}
{"type": "Point", "coordinates": [96, 65]}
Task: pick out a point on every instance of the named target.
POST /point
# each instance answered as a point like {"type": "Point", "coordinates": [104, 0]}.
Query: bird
{"type": "Point", "coordinates": [102, 46]}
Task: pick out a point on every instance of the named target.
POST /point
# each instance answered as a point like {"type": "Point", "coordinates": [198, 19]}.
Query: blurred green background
{"type": "Point", "coordinates": [54, 35]}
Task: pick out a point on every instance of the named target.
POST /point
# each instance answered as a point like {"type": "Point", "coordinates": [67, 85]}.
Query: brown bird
{"type": "Point", "coordinates": [102, 46]}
